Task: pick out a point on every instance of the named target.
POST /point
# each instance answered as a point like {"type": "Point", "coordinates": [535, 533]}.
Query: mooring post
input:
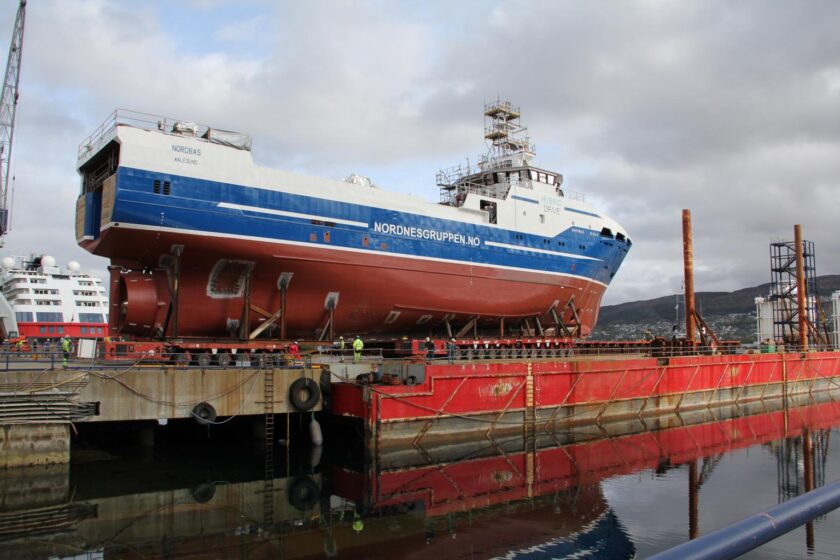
{"type": "Point", "coordinates": [688, 264]}
{"type": "Point", "coordinates": [801, 294]}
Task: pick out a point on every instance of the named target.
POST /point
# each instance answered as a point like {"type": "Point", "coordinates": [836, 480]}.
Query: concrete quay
{"type": "Point", "coordinates": [40, 403]}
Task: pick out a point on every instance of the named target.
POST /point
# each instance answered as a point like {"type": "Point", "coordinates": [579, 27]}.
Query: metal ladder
{"type": "Point", "coordinates": [268, 480]}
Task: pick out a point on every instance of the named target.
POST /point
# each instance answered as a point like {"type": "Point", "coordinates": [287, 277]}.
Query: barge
{"type": "Point", "coordinates": [479, 398]}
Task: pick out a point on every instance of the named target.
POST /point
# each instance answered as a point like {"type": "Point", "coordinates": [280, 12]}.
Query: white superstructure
{"type": "Point", "coordinates": [47, 298]}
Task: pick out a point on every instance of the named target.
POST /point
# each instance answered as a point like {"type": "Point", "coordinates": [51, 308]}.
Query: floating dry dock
{"type": "Point", "coordinates": [473, 399]}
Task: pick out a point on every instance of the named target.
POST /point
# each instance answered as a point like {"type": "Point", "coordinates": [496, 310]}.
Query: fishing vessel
{"type": "Point", "coordinates": [51, 301]}
{"type": "Point", "coordinates": [202, 242]}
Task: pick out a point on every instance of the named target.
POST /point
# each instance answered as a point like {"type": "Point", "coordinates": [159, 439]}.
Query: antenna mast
{"type": "Point", "coordinates": [8, 106]}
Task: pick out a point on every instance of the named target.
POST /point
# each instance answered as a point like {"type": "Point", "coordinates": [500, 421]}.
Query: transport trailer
{"type": "Point", "coordinates": [466, 399]}
{"type": "Point", "coordinates": [204, 352]}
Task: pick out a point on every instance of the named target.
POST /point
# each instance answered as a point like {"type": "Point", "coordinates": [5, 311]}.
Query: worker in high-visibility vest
{"type": "Point", "coordinates": [358, 524]}
{"type": "Point", "coordinates": [65, 348]}
{"type": "Point", "coordinates": [358, 345]}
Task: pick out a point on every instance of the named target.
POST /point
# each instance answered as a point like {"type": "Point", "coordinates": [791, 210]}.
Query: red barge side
{"type": "Point", "coordinates": [463, 488]}
{"type": "Point", "coordinates": [460, 401]}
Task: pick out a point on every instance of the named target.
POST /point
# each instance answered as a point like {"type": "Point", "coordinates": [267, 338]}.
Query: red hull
{"type": "Point", "coordinates": [376, 294]}
{"type": "Point", "coordinates": [503, 395]}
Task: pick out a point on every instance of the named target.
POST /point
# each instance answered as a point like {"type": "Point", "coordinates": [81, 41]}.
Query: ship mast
{"type": "Point", "coordinates": [509, 141]}
{"type": "Point", "coordinates": [8, 106]}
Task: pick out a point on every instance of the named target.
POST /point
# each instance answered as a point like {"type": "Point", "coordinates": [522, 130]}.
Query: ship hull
{"type": "Point", "coordinates": [201, 247]}
{"type": "Point", "coordinates": [373, 293]}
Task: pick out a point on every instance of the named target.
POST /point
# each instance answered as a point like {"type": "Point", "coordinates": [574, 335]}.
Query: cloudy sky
{"type": "Point", "coordinates": [731, 109]}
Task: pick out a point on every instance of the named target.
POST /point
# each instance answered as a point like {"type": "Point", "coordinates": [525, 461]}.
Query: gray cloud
{"type": "Point", "coordinates": [730, 109]}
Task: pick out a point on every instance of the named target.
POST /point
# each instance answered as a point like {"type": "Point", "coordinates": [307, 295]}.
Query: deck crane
{"type": "Point", "coordinates": [8, 106]}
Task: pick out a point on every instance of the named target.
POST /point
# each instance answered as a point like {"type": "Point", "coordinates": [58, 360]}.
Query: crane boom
{"type": "Point", "coordinates": [8, 106]}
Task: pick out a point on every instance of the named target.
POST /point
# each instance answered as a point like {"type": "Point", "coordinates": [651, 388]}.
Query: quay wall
{"type": "Point", "coordinates": [38, 406]}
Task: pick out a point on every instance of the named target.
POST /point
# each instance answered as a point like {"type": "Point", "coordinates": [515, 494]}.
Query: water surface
{"type": "Point", "coordinates": [614, 491]}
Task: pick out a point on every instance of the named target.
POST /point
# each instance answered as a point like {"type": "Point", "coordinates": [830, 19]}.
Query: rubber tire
{"type": "Point", "coordinates": [204, 493]}
{"type": "Point", "coordinates": [308, 386]}
{"type": "Point", "coordinates": [204, 413]}
{"type": "Point", "coordinates": [204, 360]}
{"type": "Point", "coordinates": [411, 381]}
{"type": "Point", "coordinates": [303, 493]}
{"type": "Point", "coordinates": [224, 359]}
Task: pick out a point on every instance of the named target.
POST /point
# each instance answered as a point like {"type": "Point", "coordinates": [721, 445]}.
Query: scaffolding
{"type": "Point", "coordinates": [510, 147]}
{"type": "Point", "coordinates": [835, 319]}
{"type": "Point", "coordinates": [507, 136]}
{"type": "Point", "coordinates": [784, 290]}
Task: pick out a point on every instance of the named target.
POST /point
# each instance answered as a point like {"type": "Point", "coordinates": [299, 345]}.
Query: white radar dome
{"type": "Point", "coordinates": [74, 266]}
{"type": "Point", "coordinates": [8, 262]}
{"type": "Point", "coordinates": [47, 260]}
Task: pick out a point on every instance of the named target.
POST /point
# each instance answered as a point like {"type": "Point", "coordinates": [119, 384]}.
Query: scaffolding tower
{"type": "Point", "coordinates": [784, 290]}
{"type": "Point", "coordinates": [506, 134]}
{"type": "Point", "coordinates": [509, 147]}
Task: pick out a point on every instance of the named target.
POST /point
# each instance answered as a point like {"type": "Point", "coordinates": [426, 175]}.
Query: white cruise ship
{"type": "Point", "coordinates": [50, 301]}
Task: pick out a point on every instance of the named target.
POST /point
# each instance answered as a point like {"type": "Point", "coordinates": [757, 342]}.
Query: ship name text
{"type": "Point", "coordinates": [181, 153]}
{"type": "Point", "coordinates": [552, 204]}
{"type": "Point", "coordinates": [424, 233]}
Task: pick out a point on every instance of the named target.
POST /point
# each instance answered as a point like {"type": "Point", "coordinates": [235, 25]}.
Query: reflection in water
{"type": "Point", "coordinates": [608, 491]}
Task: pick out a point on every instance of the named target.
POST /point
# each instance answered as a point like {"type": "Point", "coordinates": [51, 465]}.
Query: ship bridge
{"type": "Point", "coordinates": [507, 163]}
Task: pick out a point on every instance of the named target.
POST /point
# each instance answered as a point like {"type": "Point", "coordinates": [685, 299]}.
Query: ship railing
{"type": "Point", "coordinates": [347, 355]}
{"type": "Point", "coordinates": [165, 125]}
{"type": "Point", "coordinates": [607, 350]}
{"type": "Point", "coordinates": [50, 359]}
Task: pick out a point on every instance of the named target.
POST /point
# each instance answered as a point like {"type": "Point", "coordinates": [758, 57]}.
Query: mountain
{"type": "Point", "coordinates": [730, 314]}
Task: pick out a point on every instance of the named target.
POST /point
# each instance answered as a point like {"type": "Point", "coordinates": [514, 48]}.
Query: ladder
{"type": "Point", "coordinates": [268, 480]}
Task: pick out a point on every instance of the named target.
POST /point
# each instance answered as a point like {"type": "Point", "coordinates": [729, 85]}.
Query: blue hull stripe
{"type": "Point", "coordinates": [220, 209]}
{"type": "Point", "coordinates": [523, 199]}
{"type": "Point", "coordinates": [584, 212]}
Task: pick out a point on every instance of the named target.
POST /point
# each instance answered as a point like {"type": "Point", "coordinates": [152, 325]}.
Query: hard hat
{"type": "Point", "coordinates": [357, 336]}
{"type": "Point", "coordinates": [341, 337]}
{"type": "Point", "coordinates": [428, 339]}
{"type": "Point", "coordinates": [296, 341]}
